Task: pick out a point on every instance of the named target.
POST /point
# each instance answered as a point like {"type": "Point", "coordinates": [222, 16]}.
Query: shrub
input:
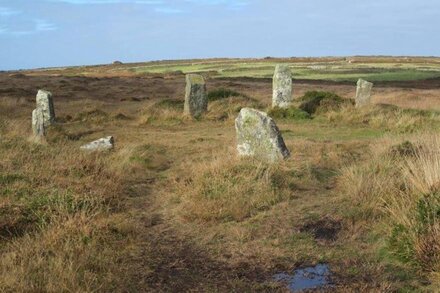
{"type": "Point", "coordinates": [222, 93]}
{"type": "Point", "coordinates": [318, 102]}
{"type": "Point", "coordinates": [290, 113]}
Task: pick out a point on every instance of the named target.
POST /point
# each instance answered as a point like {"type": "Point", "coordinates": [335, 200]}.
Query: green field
{"type": "Point", "coordinates": [336, 71]}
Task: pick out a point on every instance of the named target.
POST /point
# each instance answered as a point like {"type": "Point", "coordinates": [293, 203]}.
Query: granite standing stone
{"type": "Point", "coordinates": [258, 136]}
{"type": "Point", "coordinates": [363, 93]}
{"type": "Point", "coordinates": [45, 103]}
{"type": "Point", "coordinates": [282, 87]}
{"type": "Point", "coordinates": [196, 99]}
{"type": "Point", "coordinates": [38, 127]}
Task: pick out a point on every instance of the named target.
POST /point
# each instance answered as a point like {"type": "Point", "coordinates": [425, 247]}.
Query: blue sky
{"type": "Point", "coordinates": [45, 33]}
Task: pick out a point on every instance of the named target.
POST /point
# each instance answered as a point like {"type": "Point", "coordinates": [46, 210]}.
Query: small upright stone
{"type": "Point", "coordinates": [45, 103]}
{"type": "Point", "coordinates": [102, 144]}
{"type": "Point", "coordinates": [258, 136]}
{"type": "Point", "coordinates": [363, 93]}
{"type": "Point", "coordinates": [196, 99]}
{"type": "Point", "coordinates": [38, 127]}
{"type": "Point", "coordinates": [282, 87]}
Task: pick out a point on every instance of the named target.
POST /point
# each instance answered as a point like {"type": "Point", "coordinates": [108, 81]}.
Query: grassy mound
{"type": "Point", "coordinates": [315, 102]}
{"type": "Point", "coordinates": [387, 117]}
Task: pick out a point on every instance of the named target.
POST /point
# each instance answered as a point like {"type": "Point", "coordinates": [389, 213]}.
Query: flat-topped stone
{"type": "Point", "coordinates": [45, 103]}
{"type": "Point", "coordinates": [363, 93]}
{"type": "Point", "coordinates": [102, 144]}
{"type": "Point", "coordinates": [282, 87]}
{"type": "Point", "coordinates": [258, 136]}
{"type": "Point", "coordinates": [196, 98]}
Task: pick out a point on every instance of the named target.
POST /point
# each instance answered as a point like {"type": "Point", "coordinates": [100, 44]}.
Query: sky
{"type": "Point", "coordinates": [48, 33]}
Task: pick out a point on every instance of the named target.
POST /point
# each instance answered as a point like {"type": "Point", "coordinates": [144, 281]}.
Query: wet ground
{"type": "Point", "coordinates": [308, 278]}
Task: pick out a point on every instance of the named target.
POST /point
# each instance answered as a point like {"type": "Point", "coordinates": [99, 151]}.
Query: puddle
{"type": "Point", "coordinates": [306, 278]}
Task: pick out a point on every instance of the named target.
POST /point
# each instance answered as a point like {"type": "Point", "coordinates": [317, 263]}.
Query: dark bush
{"type": "Point", "coordinates": [222, 93]}
{"type": "Point", "coordinates": [318, 102]}
{"type": "Point", "coordinates": [291, 113]}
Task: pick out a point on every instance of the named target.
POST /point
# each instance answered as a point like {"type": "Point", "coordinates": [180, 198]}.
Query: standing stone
{"type": "Point", "coordinates": [258, 136]}
{"type": "Point", "coordinates": [363, 93]}
{"type": "Point", "coordinates": [38, 127]}
{"type": "Point", "coordinates": [196, 99]}
{"type": "Point", "coordinates": [102, 144]}
{"type": "Point", "coordinates": [45, 103]}
{"type": "Point", "coordinates": [282, 87]}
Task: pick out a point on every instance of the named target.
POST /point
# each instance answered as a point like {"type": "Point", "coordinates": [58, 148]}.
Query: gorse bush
{"type": "Point", "coordinates": [290, 113]}
{"type": "Point", "coordinates": [319, 102]}
{"type": "Point", "coordinates": [222, 93]}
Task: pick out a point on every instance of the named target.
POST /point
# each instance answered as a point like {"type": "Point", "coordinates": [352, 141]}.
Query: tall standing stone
{"type": "Point", "coordinates": [282, 87]}
{"type": "Point", "coordinates": [38, 126]}
{"type": "Point", "coordinates": [258, 136]}
{"type": "Point", "coordinates": [363, 93]}
{"type": "Point", "coordinates": [196, 99]}
{"type": "Point", "coordinates": [45, 103]}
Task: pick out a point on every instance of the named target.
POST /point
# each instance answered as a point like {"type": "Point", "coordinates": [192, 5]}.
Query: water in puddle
{"type": "Point", "coordinates": [307, 278]}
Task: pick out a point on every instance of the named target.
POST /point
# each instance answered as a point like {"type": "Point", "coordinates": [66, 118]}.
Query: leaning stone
{"type": "Point", "coordinates": [196, 99]}
{"type": "Point", "coordinates": [363, 93]}
{"type": "Point", "coordinates": [102, 144]}
{"type": "Point", "coordinates": [38, 127]}
{"type": "Point", "coordinates": [45, 103]}
{"type": "Point", "coordinates": [282, 87]}
{"type": "Point", "coordinates": [258, 136]}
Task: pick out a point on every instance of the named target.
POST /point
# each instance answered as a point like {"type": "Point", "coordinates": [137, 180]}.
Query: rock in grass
{"type": "Point", "coordinates": [363, 93]}
{"type": "Point", "coordinates": [282, 87]}
{"type": "Point", "coordinates": [45, 103]}
{"type": "Point", "coordinates": [259, 137]}
{"type": "Point", "coordinates": [38, 126]}
{"type": "Point", "coordinates": [102, 144]}
{"type": "Point", "coordinates": [196, 98]}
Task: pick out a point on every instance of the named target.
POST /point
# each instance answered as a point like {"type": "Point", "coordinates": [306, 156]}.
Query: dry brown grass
{"type": "Point", "coordinates": [230, 189]}
{"type": "Point", "coordinates": [172, 206]}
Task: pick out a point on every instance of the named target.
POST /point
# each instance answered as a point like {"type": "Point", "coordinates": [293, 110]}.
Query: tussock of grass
{"type": "Point", "coordinates": [231, 190]}
{"type": "Point", "coordinates": [165, 112]}
{"type": "Point", "coordinates": [228, 108]}
{"type": "Point", "coordinates": [54, 218]}
{"type": "Point", "coordinates": [404, 185]}
{"type": "Point", "coordinates": [95, 115]}
{"type": "Point", "coordinates": [388, 117]}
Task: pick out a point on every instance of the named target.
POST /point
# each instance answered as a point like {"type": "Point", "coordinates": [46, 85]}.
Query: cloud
{"type": "Point", "coordinates": [30, 27]}
{"type": "Point", "coordinates": [6, 12]}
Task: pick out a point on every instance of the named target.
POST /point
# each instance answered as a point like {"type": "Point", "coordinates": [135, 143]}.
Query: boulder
{"type": "Point", "coordinates": [102, 144]}
{"type": "Point", "coordinates": [258, 136]}
{"type": "Point", "coordinates": [45, 103]}
{"type": "Point", "coordinates": [363, 93]}
{"type": "Point", "coordinates": [282, 87]}
{"type": "Point", "coordinates": [196, 98]}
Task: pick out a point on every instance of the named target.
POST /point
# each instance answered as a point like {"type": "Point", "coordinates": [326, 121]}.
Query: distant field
{"type": "Point", "coordinates": [332, 69]}
{"type": "Point", "coordinates": [339, 71]}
